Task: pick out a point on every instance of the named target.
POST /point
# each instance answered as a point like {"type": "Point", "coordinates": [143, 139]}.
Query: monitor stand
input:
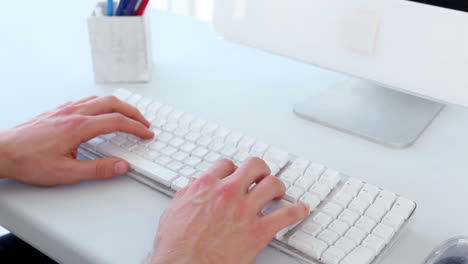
{"type": "Point", "coordinates": [371, 111]}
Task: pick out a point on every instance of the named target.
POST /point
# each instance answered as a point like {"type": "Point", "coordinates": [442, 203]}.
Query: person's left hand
{"type": "Point", "coordinates": [43, 151]}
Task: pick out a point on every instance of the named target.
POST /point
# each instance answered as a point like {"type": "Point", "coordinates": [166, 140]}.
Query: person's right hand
{"type": "Point", "coordinates": [216, 219]}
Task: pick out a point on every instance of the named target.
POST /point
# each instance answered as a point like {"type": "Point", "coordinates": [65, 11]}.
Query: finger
{"type": "Point", "coordinates": [94, 126]}
{"type": "Point", "coordinates": [253, 170]}
{"type": "Point", "coordinates": [285, 216]}
{"type": "Point", "coordinates": [268, 189]}
{"type": "Point", "coordinates": [94, 169]}
{"type": "Point", "coordinates": [111, 104]}
{"type": "Point", "coordinates": [221, 169]}
{"type": "Point", "coordinates": [84, 100]}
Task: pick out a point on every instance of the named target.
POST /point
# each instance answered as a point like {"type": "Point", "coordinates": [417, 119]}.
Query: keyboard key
{"type": "Point", "coordinates": [321, 190]}
{"type": "Point", "coordinates": [192, 161]}
{"type": "Point", "coordinates": [404, 206]}
{"type": "Point", "coordinates": [164, 112]}
{"type": "Point", "coordinates": [169, 127]}
{"type": "Point", "coordinates": [278, 157]}
{"type": "Point", "coordinates": [122, 94]}
{"type": "Point", "coordinates": [151, 155]}
{"type": "Point", "coordinates": [200, 152]}
{"type": "Point", "coordinates": [330, 177]}
{"type": "Point", "coordinates": [361, 255]}
{"type": "Point", "coordinates": [355, 234]}
{"type": "Point", "coordinates": [311, 228]}
{"type": "Point", "coordinates": [165, 137]}
{"type": "Point", "coordinates": [188, 147]}
{"type": "Point", "coordinates": [383, 231]}
{"type": "Point", "coordinates": [314, 170]}
{"type": "Point", "coordinates": [139, 164]}
{"type": "Point", "coordinates": [234, 138]}
{"type": "Point", "coordinates": [221, 132]}
{"type": "Point", "coordinates": [300, 165]}
{"type": "Point", "coordinates": [365, 224]}
{"type": "Point", "coordinates": [212, 157]}
{"type": "Point", "coordinates": [94, 143]}
{"type": "Point", "coordinates": [175, 115]}
{"type": "Point", "coordinates": [348, 217]}
{"type": "Point", "coordinates": [333, 255]}
{"type": "Point", "coordinates": [304, 182]}
{"type": "Point", "coordinates": [118, 140]}
{"type": "Point", "coordinates": [258, 150]}
{"type": "Point", "coordinates": [293, 194]}
{"type": "Point", "coordinates": [274, 169]}
{"type": "Point", "coordinates": [311, 199]}
{"type": "Point", "coordinates": [192, 136]}
{"type": "Point", "coordinates": [393, 219]}
{"type": "Point", "coordinates": [181, 132]}
{"type": "Point", "coordinates": [375, 212]}
{"type": "Point", "coordinates": [197, 125]}
{"type": "Point", "coordinates": [339, 227]}
{"type": "Point", "coordinates": [307, 244]}
{"type": "Point", "coordinates": [153, 108]}
{"type": "Point", "coordinates": [241, 157]}
{"type": "Point", "coordinates": [209, 129]}
{"type": "Point", "coordinates": [345, 244]}
{"type": "Point", "coordinates": [229, 151]}
{"type": "Point", "coordinates": [290, 174]}
{"type": "Point", "coordinates": [179, 183]}
{"type": "Point", "coordinates": [176, 142]}
{"type": "Point", "coordinates": [370, 192]}
{"type": "Point", "coordinates": [358, 205]}
{"type": "Point", "coordinates": [180, 156]}
{"type": "Point", "coordinates": [328, 236]}
{"type": "Point", "coordinates": [342, 198]}
{"type": "Point", "coordinates": [385, 199]}
{"type": "Point", "coordinates": [133, 99]}
{"type": "Point", "coordinates": [332, 209]}
{"type": "Point", "coordinates": [175, 165]}
{"type": "Point", "coordinates": [352, 186]}
{"type": "Point", "coordinates": [246, 143]}
{"type": "Point", "coordinates": [157, 146]}
{"type": "Point", "coordinates": [203, 166]}
{"type": "Point", "coordinates": [168, 151]}
{"type": "Point", "coordinates": [187, 171]}
{"type": "Point", "coordinates": [186, 119]}
{"type": "Point", "coordinates": [143, 103]}
{"type": "Point", "coordinates": [204, 141]}
{"type": "Point", "coordinates": [163, 160]}
{"type": "Point", "coordinates": [322, 219]}
{"type": "Point", "coordinates": [374, 243]}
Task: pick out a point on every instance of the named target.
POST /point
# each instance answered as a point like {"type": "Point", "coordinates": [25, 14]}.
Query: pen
{"type": "Point", "coordinates": [110, 7]}
{"type": "Point", "coordinates": [130, 7]}
{"type": "Point", "coordinates": [142, 8]}
{"type": "Point", "coordinates": [98, 10]}
{"type": "Point", "coordinates": [121, 7]}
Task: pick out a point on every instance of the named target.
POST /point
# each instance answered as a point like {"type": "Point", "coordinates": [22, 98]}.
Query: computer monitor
{"type": "Point", "coordinates": [406, 57]}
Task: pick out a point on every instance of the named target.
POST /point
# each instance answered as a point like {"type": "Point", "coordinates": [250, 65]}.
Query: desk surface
{"type": "Point", "coordinates": [46, 61]}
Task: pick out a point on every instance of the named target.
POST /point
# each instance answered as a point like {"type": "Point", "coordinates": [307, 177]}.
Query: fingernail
{"type": "Point", "coordinates": [120, 168]}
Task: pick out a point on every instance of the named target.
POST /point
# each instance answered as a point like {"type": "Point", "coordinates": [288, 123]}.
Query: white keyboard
{"type": "Point", "coordinates": [351, 222]}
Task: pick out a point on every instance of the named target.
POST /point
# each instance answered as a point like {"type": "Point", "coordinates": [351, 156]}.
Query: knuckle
{"type": "Point", "coordinates": [294, 213]}
{"type": "Point", "coordinates": [72, 122]}
{"type": "Point", "coordinates": [111, 99]}
{"type": "Point", "coordinates": [229, 189]}
{"type": "Point", "coordinates": [225, 162]}
{"type": "Point", "coordinates": [275, 183]}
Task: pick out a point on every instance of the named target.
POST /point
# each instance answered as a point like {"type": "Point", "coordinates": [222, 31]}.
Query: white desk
{"type": "Point", "coordinates": [45, 61]}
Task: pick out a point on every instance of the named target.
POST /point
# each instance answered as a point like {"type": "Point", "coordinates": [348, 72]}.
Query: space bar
{"type": "Point", "coordinates": [149, 169]}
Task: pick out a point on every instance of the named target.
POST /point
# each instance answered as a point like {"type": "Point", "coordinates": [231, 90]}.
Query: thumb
{"type": "Point", "coordinates": [98, 169]}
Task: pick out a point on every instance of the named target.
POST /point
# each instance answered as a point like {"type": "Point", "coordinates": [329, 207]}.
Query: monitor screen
{"type": "Point", "coordinates": [461, 5]}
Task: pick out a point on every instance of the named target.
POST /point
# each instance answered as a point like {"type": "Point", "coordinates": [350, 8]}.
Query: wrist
{"type": "Point", "coordinates": [7, 154]}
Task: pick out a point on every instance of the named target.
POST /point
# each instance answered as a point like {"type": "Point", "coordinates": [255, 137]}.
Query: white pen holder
{"type": "Point", "coordinates": [120, 48]}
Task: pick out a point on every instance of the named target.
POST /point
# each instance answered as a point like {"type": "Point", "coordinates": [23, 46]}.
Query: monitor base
{"type": "Point", "coordinates": [379, 114]}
